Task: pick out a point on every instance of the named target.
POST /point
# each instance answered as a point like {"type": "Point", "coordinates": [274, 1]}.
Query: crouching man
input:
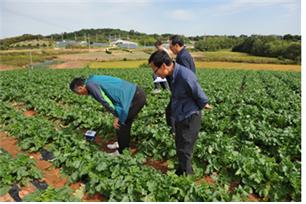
{"type": "Point", "coordinates": [119, 97]}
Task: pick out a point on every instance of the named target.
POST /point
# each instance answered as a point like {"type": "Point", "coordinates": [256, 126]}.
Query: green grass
{"type": "Point", "coordinates": [228, 56]}
{"type": "Point", "coordinates": [21, 58]}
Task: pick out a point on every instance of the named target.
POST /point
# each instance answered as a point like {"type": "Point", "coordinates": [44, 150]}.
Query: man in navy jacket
{"type": "Point", "coordinates": [188, 99]}
{"type": "Point", "coordinates": [183, 57]}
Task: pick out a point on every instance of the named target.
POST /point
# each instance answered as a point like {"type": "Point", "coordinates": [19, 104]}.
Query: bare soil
{"type": "Point", "coordinates": [30, 113]}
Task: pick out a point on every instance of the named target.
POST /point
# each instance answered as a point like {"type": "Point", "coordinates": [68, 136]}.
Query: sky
{"type": "Point", "coordinates": [186, 17]}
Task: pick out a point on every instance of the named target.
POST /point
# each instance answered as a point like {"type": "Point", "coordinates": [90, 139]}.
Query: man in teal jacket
{"type": "Point", "coordinates": [119, 97]}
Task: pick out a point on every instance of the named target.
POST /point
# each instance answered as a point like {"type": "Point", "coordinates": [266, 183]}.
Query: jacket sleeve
{"type": "Point", "coordinates": [197, 92]}
{"type": "Point", "coordinates": [95, 91]}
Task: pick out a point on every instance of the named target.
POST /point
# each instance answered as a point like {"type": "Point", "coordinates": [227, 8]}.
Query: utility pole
{"type": "Point", "coordinates": [38, 42]}
{"type": "Point", "coordinates": [31, 61]}
{"type": "Point", "coordinates": [88, 41]}
{"type": "Point", "coordinates": [51, 42]}
{"type": "Point", "coordinates": [75, 37]}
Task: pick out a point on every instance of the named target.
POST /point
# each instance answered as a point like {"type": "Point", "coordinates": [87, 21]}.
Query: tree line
{"type": "Point", "coordinates": [282, 47]}
{"type": "Point", "coordinates": [215, 43]}
{"type": "Point", "coordinates": [285, 47]}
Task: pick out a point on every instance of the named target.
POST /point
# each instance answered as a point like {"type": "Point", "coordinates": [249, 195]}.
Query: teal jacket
{"type": "Point", "coordinates": [114, 94]}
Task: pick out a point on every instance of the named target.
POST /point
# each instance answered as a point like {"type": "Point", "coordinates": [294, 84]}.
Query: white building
{"type": "Point", "coordinates": [124, 44]}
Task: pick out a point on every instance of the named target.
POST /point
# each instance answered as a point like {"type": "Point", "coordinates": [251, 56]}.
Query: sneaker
{"type": "Point", "coordinates": [115, 145]}
{"type": "Point", "coordinates": [156, 91]}
{"type": "Point", "coordinates": [115, 153]}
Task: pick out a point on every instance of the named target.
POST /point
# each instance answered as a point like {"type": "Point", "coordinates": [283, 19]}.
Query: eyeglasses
{"type": "Point", "coordinates": [156, 70]}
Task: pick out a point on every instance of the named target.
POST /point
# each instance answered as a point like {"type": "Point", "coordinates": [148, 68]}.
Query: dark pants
{"type": "Point", "coordinates": [124, 132]}
{"type": "Point", "coordinates": [186, 133]}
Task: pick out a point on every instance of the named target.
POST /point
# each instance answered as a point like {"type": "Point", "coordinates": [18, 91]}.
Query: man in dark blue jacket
{"type": "Point", "coordinates": [119, 97]}
{"type": "Point", "coordinates": [188, 99]}
{"type": "Point", "coordinates": [183, 57]}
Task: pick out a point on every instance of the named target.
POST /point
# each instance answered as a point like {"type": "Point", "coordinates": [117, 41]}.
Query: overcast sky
{"type": "Point", "coordinates": [188, 17]}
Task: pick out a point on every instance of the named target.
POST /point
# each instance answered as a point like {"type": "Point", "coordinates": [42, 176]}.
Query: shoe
{"type": "Point", "coordinates": [156, 91]}
{"type": "Point", "coordinates": [115, 145]}
{"type": "Point", "coordinates": [179, 172]}
{"type": "Point", "coordinates": [116, 153]}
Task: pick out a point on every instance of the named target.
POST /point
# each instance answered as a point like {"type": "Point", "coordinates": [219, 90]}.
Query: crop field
{"type": "Point", "coordinates": [228, 56]}
{"type": "Point", "coordinates": [248, 149]}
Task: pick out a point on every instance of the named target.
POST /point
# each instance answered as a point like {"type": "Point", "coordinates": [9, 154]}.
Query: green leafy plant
{"type": "Point", "coordinates": [19, 170]}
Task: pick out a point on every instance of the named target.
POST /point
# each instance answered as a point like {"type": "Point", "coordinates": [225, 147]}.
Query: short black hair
{"type": "Point", "coordinates": [158, 43]}
{"type": "Point", "coordinates": [76, 82]}
{"type": "Point", "coordinates": [159, 57]}
{"type": "Point", "coordinates": [176, 39]}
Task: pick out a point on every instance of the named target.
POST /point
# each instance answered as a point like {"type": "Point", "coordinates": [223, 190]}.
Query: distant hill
{"type": "Point", "coordinates": [108, 34]}
{"type": "Point", "coordinates": [26, 40]}
{"type": "Point", "coordinates": [89, 35]}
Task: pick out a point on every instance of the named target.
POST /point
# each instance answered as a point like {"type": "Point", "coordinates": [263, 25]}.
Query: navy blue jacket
{"type": "Point", "coordinates": [187, 95]}
{"type": "Point", "coordinates": [184, 58]}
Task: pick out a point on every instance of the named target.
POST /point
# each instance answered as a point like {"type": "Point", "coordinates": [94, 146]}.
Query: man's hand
{"type": "Point", "coordinates": [207, 106]}
{"type": "Point", "coordinates": [116, 124]}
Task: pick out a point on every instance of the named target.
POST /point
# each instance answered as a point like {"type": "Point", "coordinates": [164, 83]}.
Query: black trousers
{"type": "Point", "coordinates": [124, 132]}
{"type": "Point", "coordinates": [186, 133]}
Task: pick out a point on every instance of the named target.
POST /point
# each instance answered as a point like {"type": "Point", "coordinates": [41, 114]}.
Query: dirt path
{"type": "Point", "coordinates": [8, 67]}
{"type": "Point", "coordinates": [70, 65]}
{"type": "Point", "coordinates": [51, 175]}
{"type": "Point", "coordinates": [9, 144]}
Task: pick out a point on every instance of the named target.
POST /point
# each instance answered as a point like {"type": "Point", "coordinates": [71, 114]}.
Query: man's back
{"type": "Point", "coordinates": [184, 58]}
{"type": "Point", "coordinates": [119, 91]}
{"type": "Point", "coordinates": [187, 95]}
